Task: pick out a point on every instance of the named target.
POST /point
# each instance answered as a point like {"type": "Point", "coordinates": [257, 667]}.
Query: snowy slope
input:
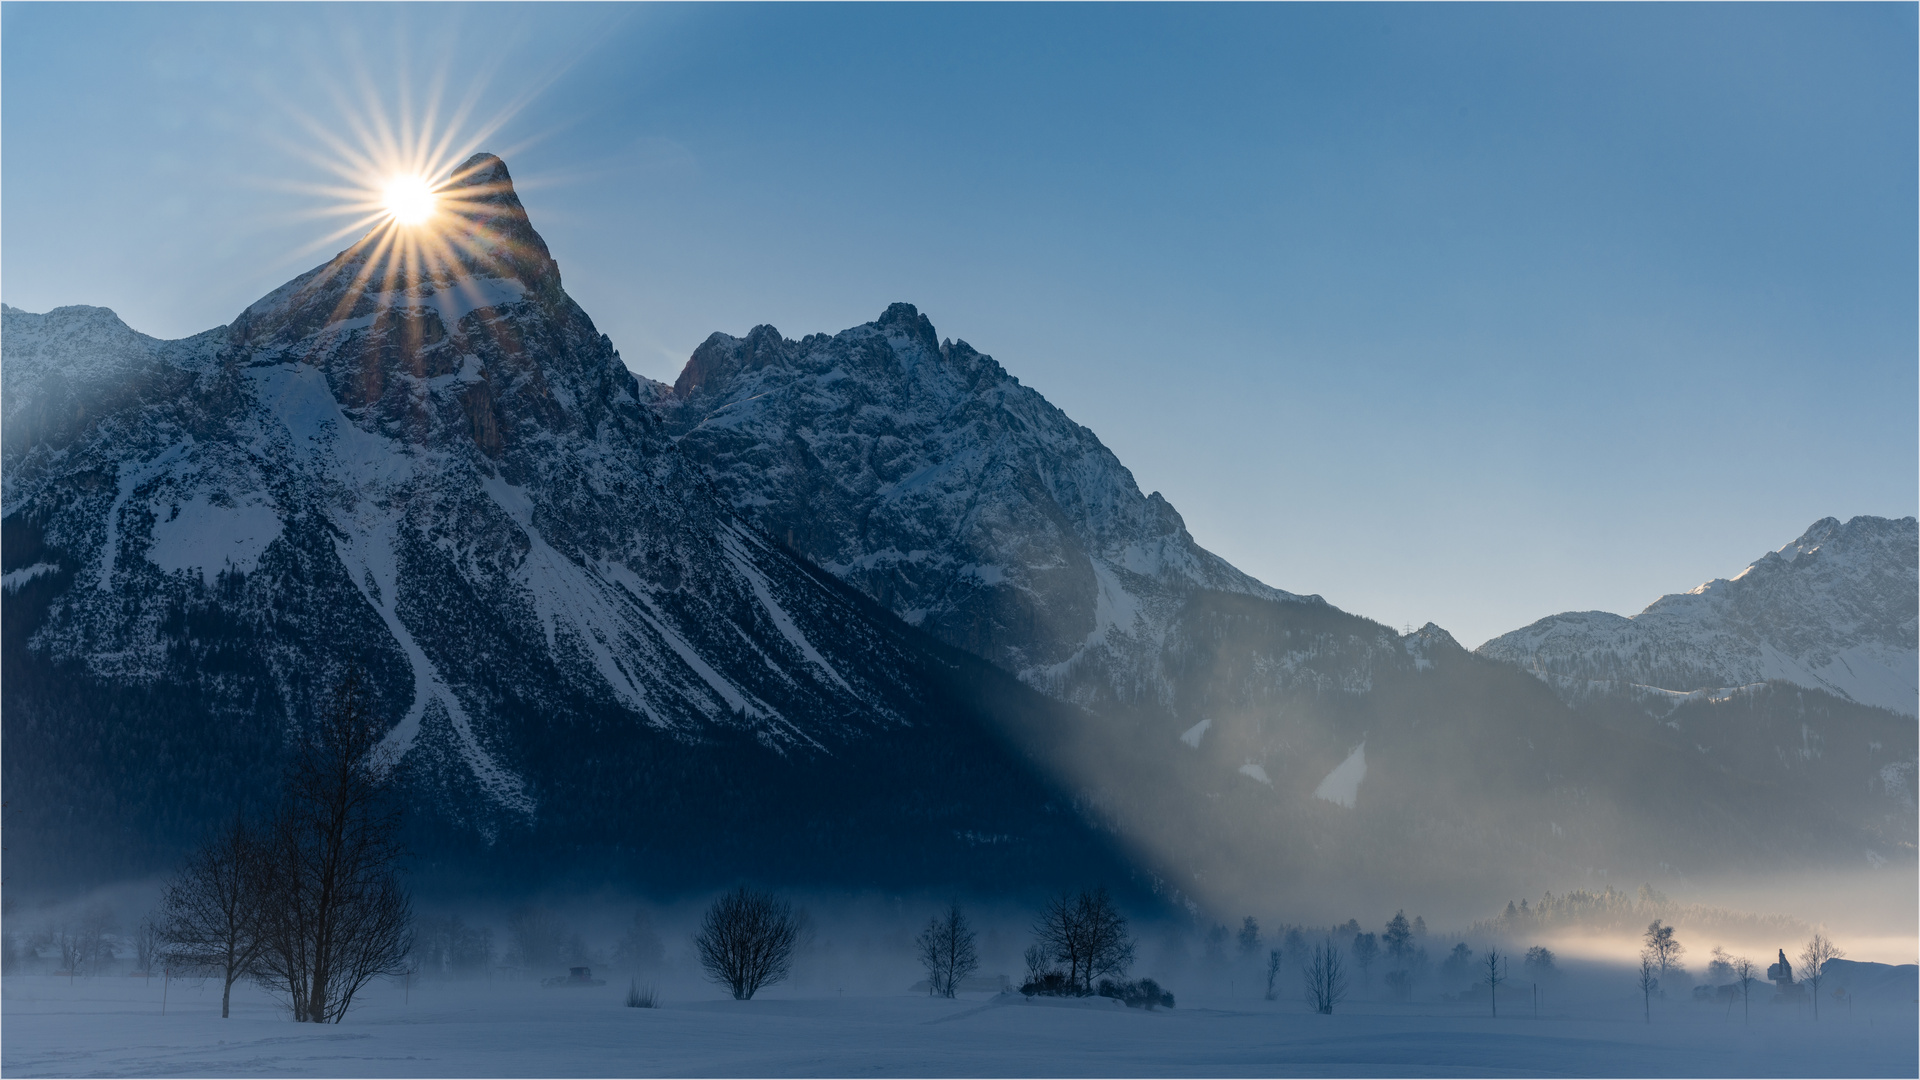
{"type": "Point", "coordinates": [443, 477]}
{"type": "Point", "coordinates": [1834, 610]}
{"type": "Point", "coordinates": [1241, 731]}
{"type": "Point", "coordinates": [924, 475]}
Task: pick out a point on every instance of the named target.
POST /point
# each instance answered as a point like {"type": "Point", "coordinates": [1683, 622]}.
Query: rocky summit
{"type": "Point", "coordinates": [434, 476]}
{"type": "Point", "coordinates": [858, 609]}
{"type": "Point", "coordinates": [922, 474]}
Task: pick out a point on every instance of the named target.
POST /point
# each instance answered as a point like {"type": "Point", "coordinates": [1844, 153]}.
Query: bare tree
{"type": "Point", "coordinates": [147, 942]}
{"type": "Point", "coordinates": [1496, 974]}
{"type": "Point", "coordinates": [96, 933]}
{"type": "Point", "coordinates": [1109, 946]}
{"type": "Point", "coordinates": [1661, 947]}
{"type": "Point", "coordinates": [1366, 949]}
{"type": "Point", "coordinates": [1325, 978]}
{"type": "Point", "coordinates": [1743, 970]}
{"type": "Point", "coordinates": [211, 911]}
{"type": "Point", "coordinates": [746, 941]}
{"type": "Point", "coordinates": [1813, 966]}
{"type": "Point", "coordinates": [334, 916]}
{"type": "Point", "coordinates": [65, 941]}
{"type": "Point", "coordinates": [1539, 962]}
{"type": "Point", "coordinates": [1648, 982]}
{"type": "Point", "coordinates": [947, 952]}
{"type": "Point", "coordinates": [1086, 933]}
{"type": "Point", "coordinates": [1273, 972]}
{"type": "Point", "coordinates": [1719, 966]}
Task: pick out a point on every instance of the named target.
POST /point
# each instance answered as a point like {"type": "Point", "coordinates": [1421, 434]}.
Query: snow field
{"type": "Point", "coordinates": [113, 1026]}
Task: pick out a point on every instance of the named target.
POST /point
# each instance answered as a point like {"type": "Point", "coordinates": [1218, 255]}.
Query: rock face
{"type": "Point", "coordinates": [922, 474]}
{"type": "Point", "coordinates": [1834, 610]}
{"type": "Point", "coordinates": [436, 472]}
{"type": "Point", "coordinates": [637, 634]}
{"type": "Point", "coordinates": [1244, 733]}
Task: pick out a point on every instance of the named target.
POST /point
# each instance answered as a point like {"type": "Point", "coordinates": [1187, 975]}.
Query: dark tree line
{"type": "Point", "coordinates": [308, 905]}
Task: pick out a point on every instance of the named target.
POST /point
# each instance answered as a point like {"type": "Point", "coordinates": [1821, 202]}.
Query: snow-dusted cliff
{"type": "Point", "coordinates": [1834, 610]}
{"type": "Point", "coordinates": [442, 475]}
{"type": "Point", "coordinates": [923, 474]}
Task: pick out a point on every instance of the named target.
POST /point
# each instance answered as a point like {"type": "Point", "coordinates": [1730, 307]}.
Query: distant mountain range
{"type": "Point", "coordinates": [857, 609]}
{"type": "Point", "coordinates": [1834, 611]}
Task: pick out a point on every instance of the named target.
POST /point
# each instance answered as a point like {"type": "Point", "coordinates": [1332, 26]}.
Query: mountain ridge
{"type": "Point", "coordinates": [1833, 610]}
{"type": "Point", "coordinates": [437, 473]}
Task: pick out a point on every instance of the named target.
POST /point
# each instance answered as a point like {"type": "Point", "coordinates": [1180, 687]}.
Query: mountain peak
{"type": "Point", "coordinates": [479, 251]}
{"type": "Point", "coordinates": [1834, 610]}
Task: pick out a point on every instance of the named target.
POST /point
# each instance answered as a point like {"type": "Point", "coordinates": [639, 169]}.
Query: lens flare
{"type": "Point", "coordinates": [409, 199]}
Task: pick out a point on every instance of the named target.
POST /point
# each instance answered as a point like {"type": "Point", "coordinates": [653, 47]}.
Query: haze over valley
{"type": "Point", "coordinates": [397, 656]}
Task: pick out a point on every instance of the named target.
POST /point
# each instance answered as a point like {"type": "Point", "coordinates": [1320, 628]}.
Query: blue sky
{"type": "Point", "coordinates": [1470, 314]}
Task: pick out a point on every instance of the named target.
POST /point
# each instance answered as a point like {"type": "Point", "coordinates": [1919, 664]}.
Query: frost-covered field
{"type": "Point", "coordinates": [114, 1027]}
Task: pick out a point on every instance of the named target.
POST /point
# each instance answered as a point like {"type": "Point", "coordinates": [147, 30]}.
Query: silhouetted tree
{"type": "Point", "coordinates": [1743, 973]}
{"type": "Point", "coordinates": [1496, 974]}
{"type": "Point", "coordinates": [213, 909]}
{"type": "Point", "coordinates": [746, 941]}
{"type": "Point", "coordinates": [1813, 966]}
{"type": "Point", "coordinates": [1458, 962]}
{"type": "Point", "coordinates": [1366, 949]}
{"type": "Point", "coordinates": [1539, 962]}
{"type": "Point", "coordinates": [1325, 978]}
{"type": "Point", "coordinates": [1086, 933]}
{"type": "Point", "coordinates": [1294, 943]}
{"type": "Point", "coordinates": [1398, 939]}
{"type": "Point", "coordinates": [147, 942]}
{"type": "Point", "coordinates": [1274, 964]}
{"type": "Point", "coordinates": [1661, 947]}
{"type": "Point", "coordinates": [947, 952]}
{"type": "Point", "coordinates": [94, 938]}
{"type": "Point", "coordinates": [1648, 982]}
{"type": "Point", "coordinates": [1249, 936]}
{"type": "Point", "coordinates": [1720, 967]}
{"type": "Point", "coordinates": [334, 916]}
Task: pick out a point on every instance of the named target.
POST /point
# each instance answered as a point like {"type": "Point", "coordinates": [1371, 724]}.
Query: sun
{"type": "Point", "coordinates": [410, 200]}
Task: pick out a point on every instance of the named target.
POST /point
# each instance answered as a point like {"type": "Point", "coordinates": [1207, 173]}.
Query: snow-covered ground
{"type": "Point", "coordinates": [113, 1026]}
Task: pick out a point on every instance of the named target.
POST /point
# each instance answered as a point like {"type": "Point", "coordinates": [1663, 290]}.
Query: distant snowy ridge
{"type": "Point", "coordinates": [1834, 610]}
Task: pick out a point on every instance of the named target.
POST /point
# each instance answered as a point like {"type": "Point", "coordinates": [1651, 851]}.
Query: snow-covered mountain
{"type": "Point", "coordinates": [1834, 610]}
{"type": "Point", "coordinates": [440, 474]}
{"type": "Point", "coordinates": [923, 474]}
{"type": "Point", "coordinates": [785, 620]}
{"type": "Point", "coordinates": [1242, 732]}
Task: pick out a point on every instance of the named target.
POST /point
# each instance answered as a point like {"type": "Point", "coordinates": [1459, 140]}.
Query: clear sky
{"type": "Point", "coordinates": [1470, 314]}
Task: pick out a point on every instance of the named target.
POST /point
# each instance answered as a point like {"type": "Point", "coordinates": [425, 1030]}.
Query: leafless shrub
{"type": "Point", "coordinates": [746, 941]}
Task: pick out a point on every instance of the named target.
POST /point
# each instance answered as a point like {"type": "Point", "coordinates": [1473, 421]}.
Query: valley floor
{"type": "Point", "coordinates": [113, 1026]}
